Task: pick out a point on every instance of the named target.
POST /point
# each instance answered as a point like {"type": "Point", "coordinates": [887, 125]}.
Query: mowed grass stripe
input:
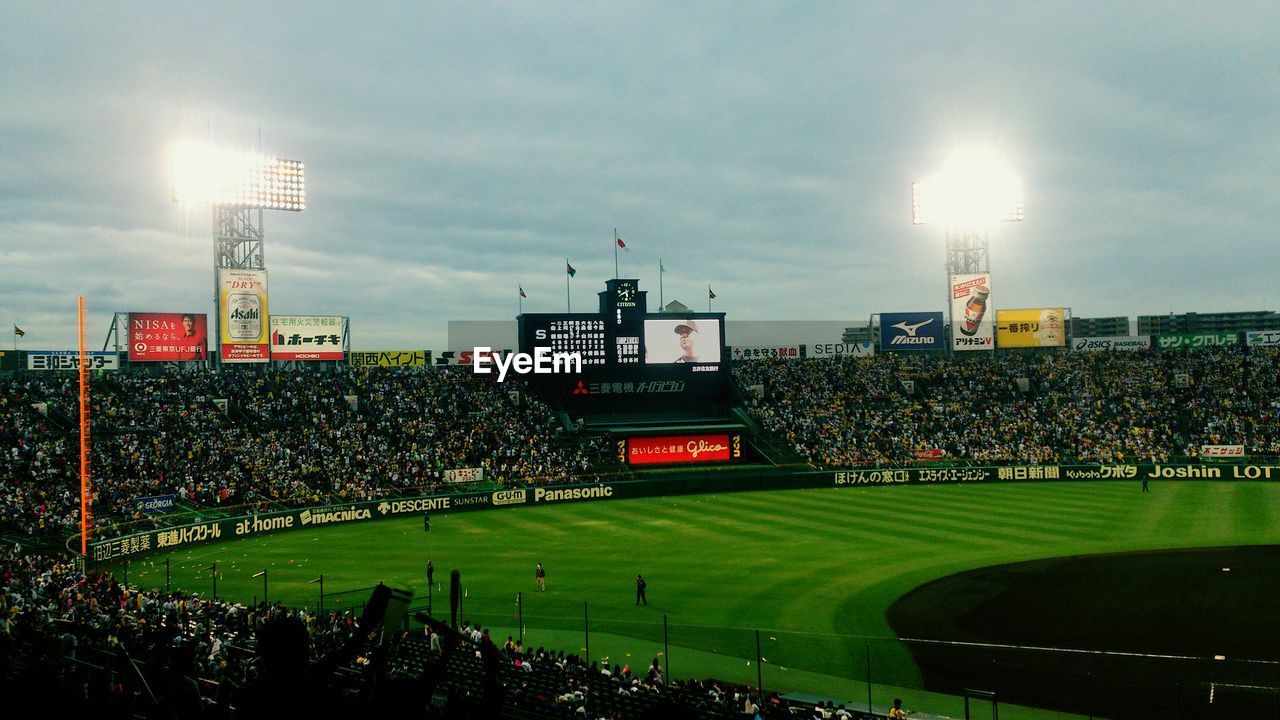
{"type": "Point", "coordinates": [797, 560]}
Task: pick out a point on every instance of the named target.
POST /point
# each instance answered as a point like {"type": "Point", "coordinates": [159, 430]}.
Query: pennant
{"type": "Point", "coordinates": [18, 331]}
{"type": "Point", "coordinates": [522, 293]}
{"type": "Point", "coordinates": [569, 269]}
{"type": "Point", "coordinates": [711, 293]}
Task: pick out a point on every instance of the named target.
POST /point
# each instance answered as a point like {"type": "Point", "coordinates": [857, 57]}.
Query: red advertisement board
{"type": "Point", "coordinates": [167, 337]}
{"type": "Point", "coordinates": [683, 449]}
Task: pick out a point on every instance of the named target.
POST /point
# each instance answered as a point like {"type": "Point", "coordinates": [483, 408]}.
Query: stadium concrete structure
{"type": "Point", "coordinates": [792, 539]}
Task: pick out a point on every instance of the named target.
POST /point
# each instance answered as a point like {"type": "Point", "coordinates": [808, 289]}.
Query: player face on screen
{"type": "Point", "coordinates": [188, 325]}
{"type": "Point", "coordinates": [687, 333]}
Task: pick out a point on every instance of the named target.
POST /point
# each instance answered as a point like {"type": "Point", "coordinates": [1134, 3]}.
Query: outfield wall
{"type": "Point", "coordinates": [679, 483]}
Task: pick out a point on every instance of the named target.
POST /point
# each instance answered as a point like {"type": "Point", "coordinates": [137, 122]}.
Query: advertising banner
{"type": "Point", "coordinates": [1222, 451]}
{"type": "Point", "coordinates": [70, 360]}
{"type": "Point", "coordinates": [1171, 341]}
{"type": "Point", "coordinates": [389, 358]}
{"type": "Point", "coordinates": [786, 352]}
{"type": "Point", "coordinates": [1263, 338]}
{"type": "Point", "coordinates": [683, 449]}
{"type": "Point", "coordinates": [971, 313]}
{"type": "Point", "coordinates": [267, 523]}
{"type": "Point", "coordinates": [1136, 343]}
{"type": "Point", "coordinates": [1030, 327]}
{"type": "Point", "coordinates": [154, 505]}
{"type": "Point", "coordinates": [307, 337]}
{"type": "Point", "coordinates": [167, 337]}
{"type": "Point", "coordinates": [821, 350]}
{"type": "Point", "coordinates": [905, 332]}
{"type": "Point", "coordinates": [242, 302]}
{"type": "Point", "coordinates": [464, 475]}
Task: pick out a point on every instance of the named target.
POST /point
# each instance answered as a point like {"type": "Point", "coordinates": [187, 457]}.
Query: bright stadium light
{"type": "Point", "coordinates": [973, 189]}
{"type": "Point", "coordinates": [222, 177]}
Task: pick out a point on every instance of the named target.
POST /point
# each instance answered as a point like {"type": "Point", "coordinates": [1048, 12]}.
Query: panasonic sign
{"type": "Point", "coordinates": [910, 331]}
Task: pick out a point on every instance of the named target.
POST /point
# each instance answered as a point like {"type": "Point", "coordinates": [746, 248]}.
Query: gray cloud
{"type": "Point", "coordinates": [456, 151]}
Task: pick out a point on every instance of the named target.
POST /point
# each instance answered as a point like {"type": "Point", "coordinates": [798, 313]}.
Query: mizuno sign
{"type": "Point", "coordinates": [910, 331]}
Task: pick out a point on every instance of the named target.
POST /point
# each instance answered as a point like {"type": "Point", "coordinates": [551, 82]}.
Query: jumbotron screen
{"type": "Point", "coordinates": [682, 340]}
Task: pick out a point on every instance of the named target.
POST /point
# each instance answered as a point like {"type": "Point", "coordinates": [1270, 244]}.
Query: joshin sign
{"type": "Point", "coordinates": [242, 298]}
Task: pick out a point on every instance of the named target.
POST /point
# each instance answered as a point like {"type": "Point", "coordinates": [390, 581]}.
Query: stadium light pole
{"type": "Point", "coordinates": [238, 186]}
{"type": "Point", "coordinates": [974, 189]}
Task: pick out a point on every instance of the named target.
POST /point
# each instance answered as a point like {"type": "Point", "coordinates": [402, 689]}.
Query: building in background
{"type": "Point", "coordinates": [1208, 322]}
{"type": "Point", "coordinates": [1100, 327]}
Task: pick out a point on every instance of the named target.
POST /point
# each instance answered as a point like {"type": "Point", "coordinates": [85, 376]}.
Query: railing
{"type": "Point", "coordinates": [863, 672]}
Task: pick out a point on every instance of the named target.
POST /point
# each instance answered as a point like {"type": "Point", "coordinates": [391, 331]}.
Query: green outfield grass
{"type": "Point", "coordinates": [814, 570]}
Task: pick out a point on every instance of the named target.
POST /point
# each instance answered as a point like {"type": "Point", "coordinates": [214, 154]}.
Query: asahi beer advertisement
{"type": "Point", "coordinates": [242, 298]}
{"type": "Point", "coordinates": [167, 337]}
{"type": "Point", "coordinates": [306, 337]}
{"type": "Point", "coordinates": [1030, 327]}
{"type": "Point", "coordinates": [971, 313]}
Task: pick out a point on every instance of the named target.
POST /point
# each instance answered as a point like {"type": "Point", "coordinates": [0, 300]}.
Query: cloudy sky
{"type": "Point", "coordinates": [457, 151]}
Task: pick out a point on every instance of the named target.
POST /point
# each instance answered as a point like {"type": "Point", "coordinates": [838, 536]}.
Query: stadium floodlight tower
{"type": "Point", "coordinates": [238, 186]}
{"type": "Point", "coordinates": [973, 190]}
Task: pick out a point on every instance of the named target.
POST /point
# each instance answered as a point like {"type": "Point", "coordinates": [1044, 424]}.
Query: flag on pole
{"type": "Point", "coordinates": [18, 331]}
{"type": "Point", "coordinates": [569, 269]}
{"type": "Point", "coordinates": [660, 268]}
{"type": "Point", "coordinates": [711, 294]}
{"type": "Point", "coordinates": [623, 245]}
{"type": "Point", "coordinates": [522, 293]}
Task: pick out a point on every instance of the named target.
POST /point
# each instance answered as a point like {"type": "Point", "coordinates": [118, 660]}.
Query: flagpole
{"type": "Point", "coordinates": [708, 298]}
{"type": "Point", "coordinates": [568, 301]}
{"type": "Point", "coordinates": [615, 253]}
{"type": "Point", "coordinates": [661, 302]}
{"type": "Point", "coordinates": [520, 299]}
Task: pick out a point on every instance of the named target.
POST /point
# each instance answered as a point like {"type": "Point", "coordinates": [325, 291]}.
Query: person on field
{"type": "Point", "coordinates": [896, 711]}
{"type": "Point", "coordinates": [1146, 484]}
{"type": "Point", "coordinates": [640, 596]}
{"type": "Point", "coordinates": [540, 575]}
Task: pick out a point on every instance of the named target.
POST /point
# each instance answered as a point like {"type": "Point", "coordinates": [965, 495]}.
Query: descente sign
{"type": "Point", "coordinates": [179, 537]}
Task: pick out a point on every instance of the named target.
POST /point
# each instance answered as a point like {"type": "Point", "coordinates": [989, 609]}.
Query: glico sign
{"type": "Point", "coordinates": [683, 449]}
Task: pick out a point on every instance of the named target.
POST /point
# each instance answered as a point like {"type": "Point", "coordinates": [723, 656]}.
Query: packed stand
{"type": "Point", "coordinates": [286, 437]}
{"type": "Point", "coordinates": [1091, 407]}
{"type": "Point", "coordinates": [85, 644]}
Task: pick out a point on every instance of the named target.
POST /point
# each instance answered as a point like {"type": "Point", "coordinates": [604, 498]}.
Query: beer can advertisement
{"type": "Point", "coordinates": [1030, 327]}
{"type": "Point", "coordinates": [168, 337]}
{"type": "Point", "coordinates": [307, 337]}
{"type": "Point", "coordinates": [242, 302]}
{"type": "Point", "coordinates": [971, 313]}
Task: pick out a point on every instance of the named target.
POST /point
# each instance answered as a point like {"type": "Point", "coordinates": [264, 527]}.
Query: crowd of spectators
{"type": "Point", "coordinates": [1092, 407]}
{"type": "Point", "coordinates": [86, 644]}
{"type": "Point", "coordinates": [238, 437]}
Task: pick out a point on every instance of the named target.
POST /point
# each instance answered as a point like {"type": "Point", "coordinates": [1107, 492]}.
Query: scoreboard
{"type": "Point", "coordinates": [632, 360]}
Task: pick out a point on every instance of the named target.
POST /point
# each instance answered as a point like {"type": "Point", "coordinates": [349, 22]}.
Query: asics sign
{"type": "Point", "coordinates": [910, 331]}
